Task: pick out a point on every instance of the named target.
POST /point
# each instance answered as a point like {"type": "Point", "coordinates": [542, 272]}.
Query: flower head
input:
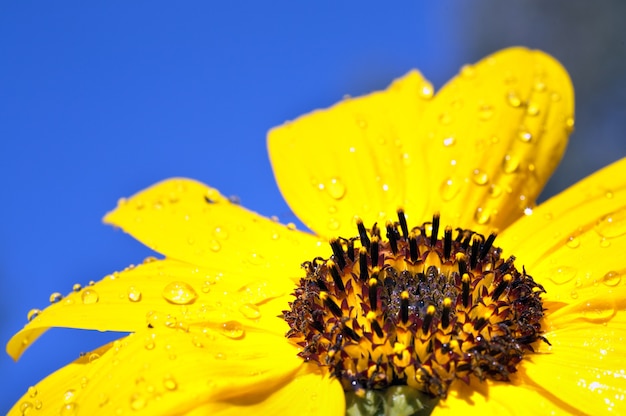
{"type": "Point", "coordinates": [397, 305]}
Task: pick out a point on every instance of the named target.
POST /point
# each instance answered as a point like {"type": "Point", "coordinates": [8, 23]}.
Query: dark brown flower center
{"type": "Point", "coordinates": [410, 308]}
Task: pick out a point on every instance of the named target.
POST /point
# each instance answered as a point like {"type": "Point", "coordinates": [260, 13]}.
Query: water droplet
{"type": "Point", "coordinates": [333, 224]}
{"type": "Point", "coordinates": [256, 259]}
{"type": "Point", "coordinates": [32, 391]}
{"type": "Point", "coordinates": [76, 287]}
{"type": "Point", "coordinates": [494, 191]}
{"type": "Point", "coordinates": [539, 86]}
{"type": "Point", "coordinates": [214, 246]}
{"type": "Point", "coordinates": [32, 314]}
{"type": "Point", "coordinates": [233, 329]}
{"type": "Point", "coordinates": [485, 112]}
{"type": "Point", "coordinates": [449, 141]}
{"type": "Point", "coordinates": [89, 296]}
{"type": "Point", "coordinates": [149, 343]}
{"type": "Point", "coordinates": [336, 189]}
{"type": "Point", "coordinates": [25, 408]}
{"type": "Point", "coordinates": [608, 194]}
{"type": "Point", "coordinates": [524, 135]}
{"type": "Point", "coordinates": [532, 109]}
{"type": "Point", "coordinates": [574, 294]}
{"type": "Point", "coordinates": [170, 383]}
{"type": "Point", "coordinates": [604, 242]}
{"type": "Point", "coordinates": [250, 311]}
{"type": "Point", "coordinates": [612, 225]}
{"type": "Point", "coordinates": [69, 396]}
{"type": "Point", "coordinates": [55, 297]}
{"type": "Point", "coordinates": [480, 177]}
{"type": "Point", "coordinates": [569, 124]}
{"type": "Point", "coordinates": [426, 91]}
{"type": "Point", "coordinates": [206, 287]}
{"type": "Point", "coordinates": [137, 401]}
{"type": "Point", "coordinates": [468, 71]}
{"type": "Point", "coordinates": [179, 293]}
{"type": "Point", "coordinates": [69, 409]}
{"type": "Point", "coordinates": [445, 118]}
{"type": "Point", "coordinates": [93, 357]}
{"type": "Point", "coordinates": [555, 97]}
{"type": "Point", "coordinates": [291, 226]}
{"type": "Point", "coordinates": [528, 211]}
{"type": "Point", "coordinates": [449, 189]}
{"type": "Point", "coordinates": [134, 295]}
{"type": "Point", "coordinates": [562, 275]}
{"type": "Point", "coordinates": [612, 278]}
{"type": "Point", "coordinates": [573, 242]}
{"type": "Point", "coordinates": [482, 216]}
{"type": "Point", "coordinates": [513, 99]}
{"type": "Point", "coordinates": [510, 164]}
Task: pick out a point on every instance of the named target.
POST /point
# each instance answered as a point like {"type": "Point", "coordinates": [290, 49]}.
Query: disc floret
{"type": "Point", "coordinates": [405, 307]}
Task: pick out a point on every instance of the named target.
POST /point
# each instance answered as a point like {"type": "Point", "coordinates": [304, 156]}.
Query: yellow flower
{"type": "Point", "coordinates": [205, 333]}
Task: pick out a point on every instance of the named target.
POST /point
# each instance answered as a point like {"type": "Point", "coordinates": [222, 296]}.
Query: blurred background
{"type": "Point", "coordinates": [100, 101]}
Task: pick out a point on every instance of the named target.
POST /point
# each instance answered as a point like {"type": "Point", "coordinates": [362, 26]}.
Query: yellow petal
{"type": "Point", "coordinates": [584, 364]}
{"type": "Point", "coordinates": [490, 139]}
{"type": "Point", "coordinates": [189, 221]}
{"type": "Point", "coordinates": [307, 394]}
{"type": "Point", "coordinates": [168, 372]}
{"type": "Point", "coordinates": [349, 159]}
{"type": "Point", "coordinates": [166, 293]}
{"type": "Point", "coordinates": [500, 398]}
{"type": "Point", "coordinates": [574, 243]}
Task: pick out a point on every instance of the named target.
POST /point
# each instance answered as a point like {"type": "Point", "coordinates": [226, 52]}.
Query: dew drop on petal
{"type": "Point", "coordinates": [220, 233]}
{"type": "Point", "coordinates": [137, 401]}
{"type": "Point", "coordinates": [494, 191]}
{"type": "Point", "coordinates": [336, 189]}
{"type": "Point", "coordinates": [468, 71]}
{"type": "Point", "coordinates": [524, 135]}
{"type": "Point", "coordinates": [449, 141]}
{"type": "Point", "coordinates": [256, 259]}
{"type": "Point", "coordinates": [510, 164]}
{"type": "Point", "coordinates": [562, 275]}
{"type": "Point", "coordinates": [612, 278]}
{"type": "Point", "coordinates": [485, 112]}
{"type": "Point", "coordinates": [482, 216]}
{"type": "Point", "coordinates": [612, 225]}
{"type": "Point", "coordinates": [32, 391]}
{"type": "Point", "coordinates": [55, 297]}
{"type": "Point", "coordinates": [25, 407]}
{"type": "Point", "coordinates": [445, 119]}
{"type": "Point", "coordinates": [32, 314]}
{"type": "Point", "coordinates": [604, 242]}
{"type": "Point", "coordinates": [233, 329]}
{"type": "Point", "coordinates": [291, 226]}
{"type": "Point", "coordinates": [76, 287]}
{"type": "Point", "coordinates": [574, 294]}
{"type": "Point", "coordinates": [149, 343]}
{"type": "Point", "coordinates": [250, 311]}
{"type": "Point", "coordinates": [170, 383]}
{"type": "Point", "coordinates": [215, 246]}
{"type": "Point", "coordinates": [68, 409]}
{"type": "Point", "coordinates": [426, 91]}
{"type": "Point", "coordinates": [532, 110]}
{"type": "Point", "coordinates": [480, 177]}
{"type": "Point", "coordinates": [333, 224]}
{"type": "Point", "coordinates": [134, 294]}
{"type": "Point", "coordinates": [573, 242]}
{"type": "Point", "coordinates": [449, 189]}
{"type": "Point", "coordinates": [89, 296]}
{"type": "Point", "coordinates": [569, 123]}
{"type": "Point", "coordinates": [179, 293]}
{"type": "Point", "coordinates": [513, 99]}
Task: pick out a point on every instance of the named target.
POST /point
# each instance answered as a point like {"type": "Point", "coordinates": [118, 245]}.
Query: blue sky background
{"type": "Point", "coordinates": [98, 101]}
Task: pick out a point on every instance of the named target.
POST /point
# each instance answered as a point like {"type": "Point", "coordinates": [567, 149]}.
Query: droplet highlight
{"type": "Point", "coordinates": [179, 293]}
{"type": "Point", "coordinates": [233, 329]}
{"type": "Point", "coordinates": [89, 296]}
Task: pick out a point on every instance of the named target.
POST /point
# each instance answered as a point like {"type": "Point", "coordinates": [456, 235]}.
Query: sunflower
{"type": "Point", "coordinates": [432, 280]}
